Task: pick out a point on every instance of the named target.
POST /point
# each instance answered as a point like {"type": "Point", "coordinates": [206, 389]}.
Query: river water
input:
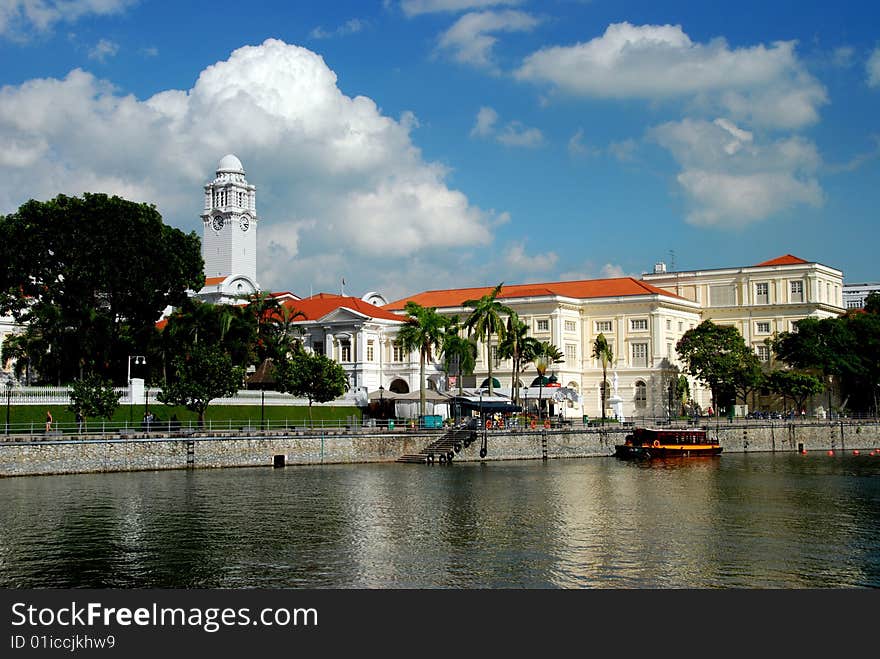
{"type": "Point", "coordinates": [736, 521]}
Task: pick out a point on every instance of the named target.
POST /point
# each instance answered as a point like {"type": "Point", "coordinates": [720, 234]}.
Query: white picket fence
{"type": "Point", "coordinates": [61, 396]}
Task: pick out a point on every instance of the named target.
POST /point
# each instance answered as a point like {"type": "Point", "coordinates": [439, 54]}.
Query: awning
{"type": "Point", "coordinates": [487, 405]}
{"type": "Point", "coordinates": [496, 383]}
{"type": "Point", "coordinates": [544, 381]}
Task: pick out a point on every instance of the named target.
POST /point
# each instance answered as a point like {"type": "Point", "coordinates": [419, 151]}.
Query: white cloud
{"type": "Point", "coordinates": [104, 49]}
{"type": "Point", "coordinates": [765, 85]}
{"type": "Point", "coordinates": [730, 179]}
{"type": "Point", "coordinates": [515, 257]}
{"type": "Point", "coordinates": [612, 271]}
{"type": "Point", "coordinates": [514, 133]}
{"type": "Point", "coordinates": [416, 7]}
{"type": "Point", "coordinates": [335, 177]}
{"type": "Point", "coordinates": [18, 18]}
{"type": "Point", "coordinates": [578, 148]}
{"type": "Point", "coordinates": [351, 26]}
{"type": "Point", "coordinates": [485, 124]}
{"type": "Point", "coordinates": [624, 150]}
{"type": "Point", "coordinates": [470, 39]}
{"type": "Point", "coordinates": [873, 67]}
{"type": "Point", "coordinates": [843, 56]}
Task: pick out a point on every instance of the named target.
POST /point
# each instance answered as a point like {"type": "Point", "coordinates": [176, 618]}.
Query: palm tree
{"type": "Point", "coordinates": [485, 320]}
{"type": "Point", "coordinates": [423, 331]}
{"type": "Point", "coordinates": [545, 354]}
{"type": "Point", "coordinates": [603, 352]}
{"type": "Point", "coordinates": [519, 348]}
{"type": "Point", "coordinates": [459, 353]}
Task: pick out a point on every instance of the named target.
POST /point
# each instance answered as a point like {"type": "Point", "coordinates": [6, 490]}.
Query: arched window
{"type": "Point", "coordinates": [399, 387]}
{"type": "Point", "coordinates": [641, 395]}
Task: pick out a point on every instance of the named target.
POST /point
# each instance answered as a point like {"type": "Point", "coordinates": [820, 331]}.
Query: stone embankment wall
{"type": "Point", "coordinates": [22, 456]}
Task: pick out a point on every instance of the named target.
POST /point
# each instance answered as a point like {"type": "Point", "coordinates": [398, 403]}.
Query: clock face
{"type": "Point", "coordinates": [218, 223]}
{"type": "Point", "coordinates": [244, 223]}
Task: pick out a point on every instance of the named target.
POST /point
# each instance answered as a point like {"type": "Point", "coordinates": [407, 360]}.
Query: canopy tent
{"type": "Point", "coordinates": [565, 393]}
{"type": "Point", "coordinates": [430, 396]}
{"type": "Point", "coordinates": [263, 377]}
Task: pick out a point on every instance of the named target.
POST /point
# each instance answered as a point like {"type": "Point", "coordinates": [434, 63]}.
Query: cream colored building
{"type": "Point", "coordinates": [759, 300]}
{"type": "Point", "coordinates": [643, 321]}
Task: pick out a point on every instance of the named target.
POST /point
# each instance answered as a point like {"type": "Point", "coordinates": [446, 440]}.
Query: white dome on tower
{"type": "Point", "coordinates": [230, 163]}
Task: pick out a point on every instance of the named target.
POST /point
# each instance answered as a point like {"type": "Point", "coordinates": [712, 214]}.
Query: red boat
{"type": "Point", "coordinates": [647, 443]}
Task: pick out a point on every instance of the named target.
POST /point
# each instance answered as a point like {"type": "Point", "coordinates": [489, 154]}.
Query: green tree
{"type": "Point", "coordinates": [518, 347]}
{"type": "Point", "coordinates": [603, 352]}
{"type": "Point", "coordinates": [872, 303]}
{"type": "Point", "coordinates": [91, 276]}
{"type": "Point", "coordinates": [544, 355]}
{"type": "Point", "coordinates": [312, 376]}
{"type": "Point", "coordinates": [459, 354]}
{"type": "Point", "coordinates": [202, 374]}
{"type": "Point", "coordinates": [485, 321]}
{"type": "Point", "coordinates": [423, 331]}
{"type": "Point", "coordinates": [799, 386]}
{"type": "Point", "coordinates": [93, 396]}
{"type": "Point", "coordinates": [715, 355]}
{"type": "Point", "coordinates": [826, 346]}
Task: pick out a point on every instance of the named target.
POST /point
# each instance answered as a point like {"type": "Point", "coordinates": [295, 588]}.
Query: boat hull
{"type": "Point", "coordinates": [631, 452]}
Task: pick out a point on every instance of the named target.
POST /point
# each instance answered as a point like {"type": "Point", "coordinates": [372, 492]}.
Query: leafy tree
{"type": "Point", "coordinates": [90, 276]}
{"type": "Point", "coordinates": [202, 374]}
{"type": "Point", "coordinates": [716, 355]}
{"type": "Point", "coordinates": [485, 321]}
{"type": "Point", "coordinates": [519, 348]}
{"type": "Point", "coordinates": [749, 377]}
{"type": "Point", "coordinates": [459, 353]}
{"type": "Point", "coordinates": [799, 386]}
{"type": "Point", "coordinates": [545, 355]}
{"type": "Point", "coordinates": [603, 352]}
{"type": "Point", "coordinates": [199, 323]}
{"type": "Point", "coordinates": [682, 391]}
{"type": "Point", "coordinates": [423, 330]}
{"type": "Point", "coordinates": [827, 346]}
{"type": "Point", "coordinates": [93, 396]}
{"type": "Point", "coordinates": [312, 376]}
{"type": "Point", "coordinates": [872, 303]}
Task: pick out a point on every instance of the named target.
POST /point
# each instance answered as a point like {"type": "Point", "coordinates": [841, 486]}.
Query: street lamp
{"type": "Point", "coordinates": [138, 359]}
{"type": "Point", "coordinates": [8, 397]}
{"type": "Point", "coordinates": [526, 393]}
{"type": "Point", "coordinates": [382, 401]}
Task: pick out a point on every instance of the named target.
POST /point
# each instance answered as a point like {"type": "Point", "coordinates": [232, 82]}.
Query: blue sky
{"type": "Point", "coordinates": [418, 144]}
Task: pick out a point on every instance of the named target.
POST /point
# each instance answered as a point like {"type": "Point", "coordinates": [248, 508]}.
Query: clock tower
{"type": "Point", "coordinates": [229, 242]}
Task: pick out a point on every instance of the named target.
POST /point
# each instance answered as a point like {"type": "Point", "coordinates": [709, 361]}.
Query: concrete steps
{"type": "Point", "coordinates": [443, 449]}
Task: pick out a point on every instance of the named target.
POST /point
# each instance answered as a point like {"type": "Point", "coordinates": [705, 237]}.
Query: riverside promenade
{"type": "Point", "coordinates": [44, 454]}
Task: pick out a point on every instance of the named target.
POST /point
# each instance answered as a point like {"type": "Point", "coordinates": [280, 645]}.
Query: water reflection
{"type": "Point", "coordinates": [752, 521]}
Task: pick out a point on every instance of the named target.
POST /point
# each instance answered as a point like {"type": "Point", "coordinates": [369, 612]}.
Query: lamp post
{"type": "Point", "coordinates": [138, 359]}
{"type": "Point", "coordinates": [8, 398]}
{"type": "Point", "coordinates": [382, 401]}
{"type": "Point", "coordinates": [526, 394]}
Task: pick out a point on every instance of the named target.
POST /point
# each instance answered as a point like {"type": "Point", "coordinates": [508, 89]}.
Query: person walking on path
{"type": "Point", "coordinates": [48, 420]}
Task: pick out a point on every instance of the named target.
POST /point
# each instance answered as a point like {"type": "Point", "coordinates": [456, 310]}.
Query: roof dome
{"type": "Point", "coordinates": [229, 163]}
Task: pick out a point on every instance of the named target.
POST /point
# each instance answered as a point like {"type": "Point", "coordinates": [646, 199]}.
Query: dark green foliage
{"type": "Point", "coordinates": [202, 374]}
{"type": "Point", "coordinates": [90, 277]}
{"type": "Point", "coordinates": [93, 396]}
{"type": "Point", "coordinates": [717, 355]}
{"type": "Point", "coordinates": [312, 376]}
{"type": "Point", "coordinates": [798, 386]}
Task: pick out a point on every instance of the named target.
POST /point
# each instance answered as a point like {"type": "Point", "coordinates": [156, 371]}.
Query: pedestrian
{"type": "Point", "coordinates": [79, 421]}
{"type": "Point", "coordinates": [48, 420]}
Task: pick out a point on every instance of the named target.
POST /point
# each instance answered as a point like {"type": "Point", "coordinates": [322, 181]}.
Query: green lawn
{"type": "Point", "coordinates": [238, 415]}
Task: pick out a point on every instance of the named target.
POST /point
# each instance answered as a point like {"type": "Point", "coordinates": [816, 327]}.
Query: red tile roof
{"type": "Point", "coordinates": [213, 281]}
{"type": "Point", "coordinates": [320, 305]}
{"type": "Point", "coordinates": [588, 288]}
{"type": "Point", "coordinates": [786, 259]}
